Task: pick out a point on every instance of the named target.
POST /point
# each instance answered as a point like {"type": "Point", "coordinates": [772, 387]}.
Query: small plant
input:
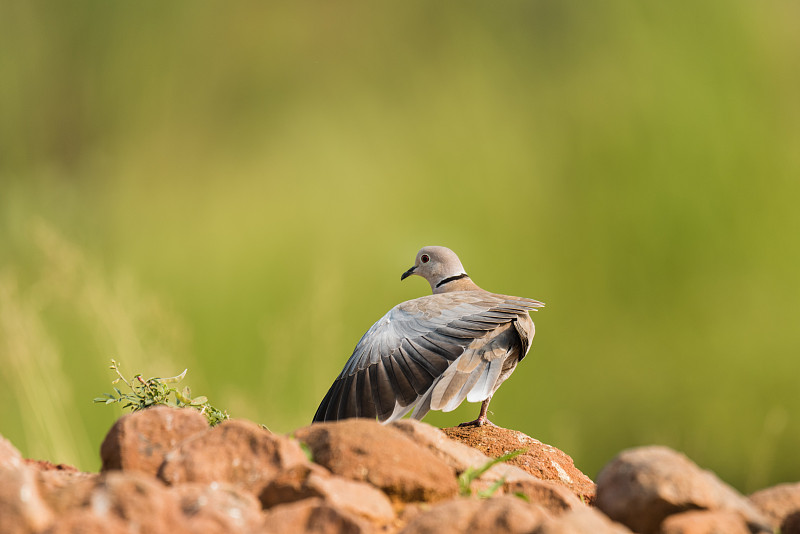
{"type": "Point", "coordinates": [154, 391]}
{"type": "Point", "coordinates": [470, 474]}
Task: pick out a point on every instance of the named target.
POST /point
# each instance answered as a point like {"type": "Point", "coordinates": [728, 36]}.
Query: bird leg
{"type": "Point", "coordinates": [482, 419]}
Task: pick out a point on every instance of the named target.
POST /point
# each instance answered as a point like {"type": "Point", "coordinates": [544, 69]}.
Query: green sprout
{"type": "Point", "coordinates": [155, 391]}
{"type": "Point", "coordinates": [470, 474]}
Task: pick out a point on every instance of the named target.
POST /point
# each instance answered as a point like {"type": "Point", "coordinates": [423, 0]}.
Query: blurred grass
{"type": "Point", "coordinates": [236, 190]}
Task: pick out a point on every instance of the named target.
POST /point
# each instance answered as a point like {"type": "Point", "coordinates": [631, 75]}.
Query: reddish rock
{"type": "Point", "coordinates": [64, 492]}
{"type": "Point", "coordinates": [778, 502]}
{"type": "Point", "coordinates": [291, 485]}
{"type": "Point", "coordinates": [460, 456]}
{"type": "Point", "coordinates": [22, 508]}
{"type": "Point", "coordinates": [306, 481]}
{"type": "Point", "coordinates": [45, 466]}
{"type": "Point", "coordinates": [141, 502]}
{"type": "Point", "coordinates": [641, 487]}
{"type": "Point", "coordinates": [554, 498]}
{"type": "Point", "coordinates": [218, 508]}
{"type": "Point", "coordinates": [506, 514]}
{"type": "Point", "coordinates": [239, 452]}
{"type": "Point", "coordinates": [58, 487]}
{"type": "Point", "coordinates": [454, 453]}
{"type": "Point", "coordinates": [55, 479]}
{"type": "Point", "coordinates": [500, 515]}
{"type": "Point", "coordinates": [312, 516]}
{"type": "Point", "coordinates": [85, 521]}
{"type": "Point", "coordinates": [791, 524]}
{"type": "Point", "coordinates": [447, 517]}
{"type": "Point", "coordinates": [582, 520]}
{"type": "Point", "coordinates": [139, 441]}
{"type": "Point", "coordinates": [540, 460]}
{"type": "Point", "coordinates": [704, 522]}
{"type": "Point", "coordinates": [367, 451]}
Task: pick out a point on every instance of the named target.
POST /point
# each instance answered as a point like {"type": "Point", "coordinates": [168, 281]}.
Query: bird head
{"type": "Point", "coordinates": [436, 265]}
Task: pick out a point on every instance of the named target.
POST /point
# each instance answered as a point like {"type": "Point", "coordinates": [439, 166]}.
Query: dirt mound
{"type": "Point", "coordinates": [539, 459]}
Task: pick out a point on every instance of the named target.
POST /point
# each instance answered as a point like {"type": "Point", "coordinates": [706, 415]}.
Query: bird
{"type": "Point", "coordinates": [432, 352]}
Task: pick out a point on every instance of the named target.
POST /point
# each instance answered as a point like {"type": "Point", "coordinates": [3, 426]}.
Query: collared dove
{"type": "Point", "coordinates": [433, 352]}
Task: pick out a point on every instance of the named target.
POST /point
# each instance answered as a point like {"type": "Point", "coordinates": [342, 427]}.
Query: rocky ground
{"type": "Point", "coordinates": [164, 470]}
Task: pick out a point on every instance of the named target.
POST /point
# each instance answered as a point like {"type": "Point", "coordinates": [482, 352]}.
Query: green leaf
{"type": "Point", "coordinates": [173, 379]}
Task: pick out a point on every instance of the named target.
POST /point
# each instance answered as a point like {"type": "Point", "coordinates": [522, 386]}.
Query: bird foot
{"type": "Point", "coordinates": [480, 421]}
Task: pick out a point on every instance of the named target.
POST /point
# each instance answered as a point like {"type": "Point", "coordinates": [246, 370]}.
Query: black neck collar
{"type": "Point", "coordinates": [452, 279]}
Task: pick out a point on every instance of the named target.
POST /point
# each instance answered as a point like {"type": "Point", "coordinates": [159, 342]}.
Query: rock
{"type": "Point", "coordinates": [448, 517]}
{"type": "Point", "coordinates": [367, 451]}
{"type": "Point", "coordinates": [239, 452]}
{"type": "Point", "coordinates": [139, 441]}
{"type": "Point", "coordinates": [54, 479]}
{"type": "Point", "coordinates": [500, 515]}
{"type": "Point", "coordinates": [22, 508]}
{"type": "Point", "coordinates": [218, 508]}
{"type": "Point", "coordinates": [582, 520]}
{"type": "Point", "coordinates": [60, 487]}
{"type": "Point", "coordinates": [85, 521]}
{"type": "Point", "coordinates": [454, 453]}
{"type": "Point", "coordinates": [306, 481]}
{"type": "Point", "coordinates": [791, 524]}
{"type": "Point", "coordinates": [291, 485]}
{"type": "Point", "coordinates": [778, 502]}
{"type": "Point", "coordinates": [554, 498]}
{"type": "Point", "coordinates": [541, 460]}
{"type": "Point", "coordinates": [45, 466]}
{"type": "Point", "coordinates": [460, 456]}
{"type": "Point", "coordinates": [506, 514]}
{"type": "Point", "coordinates": [64, 492]}
{"type": "Point", "coordinates": [704, 522]}
{"type": "Point", "coordinates": [140, 501]}
{"type": "Point", "coordinates": [312, 516]}
{"type": "Point", "coordinates": [641, 487]}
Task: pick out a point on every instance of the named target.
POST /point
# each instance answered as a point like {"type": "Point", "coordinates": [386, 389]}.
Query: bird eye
{"type": "Point", "coordinates": [424, 258]}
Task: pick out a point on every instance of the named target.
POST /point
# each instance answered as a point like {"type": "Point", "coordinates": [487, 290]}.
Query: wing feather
{"type": "Point", "coordinates": [347, 407]}
{"type": "Point", "coordinates": [382, 391]}
{"type": "Point", "coordinates": [447, 347]}
{"type": "Point", "coordinates": [365, 407]}
{"type": "Point", "coordinates": [417, 374]}
{"type": "Point", "coordinates": [430, 353]}
{"type": "Point", "coordinates": [403, 390]}
{"type": "Point", "coordinates": [334, 398]}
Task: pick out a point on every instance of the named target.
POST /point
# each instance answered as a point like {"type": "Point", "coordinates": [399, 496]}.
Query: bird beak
{"type": "Point", "coordinates": [408, 273]}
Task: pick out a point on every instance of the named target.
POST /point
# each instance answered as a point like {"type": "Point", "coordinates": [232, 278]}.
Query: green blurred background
{"type": "Point", "coordinates": [236, 188]}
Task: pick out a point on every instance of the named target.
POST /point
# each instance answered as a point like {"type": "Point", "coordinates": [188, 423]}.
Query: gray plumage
{"type": "Point", "coordinates": [433, 352]}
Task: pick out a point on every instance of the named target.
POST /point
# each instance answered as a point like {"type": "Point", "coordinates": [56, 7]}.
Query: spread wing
{"type": "Point", "coordinates": [398, 363]}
